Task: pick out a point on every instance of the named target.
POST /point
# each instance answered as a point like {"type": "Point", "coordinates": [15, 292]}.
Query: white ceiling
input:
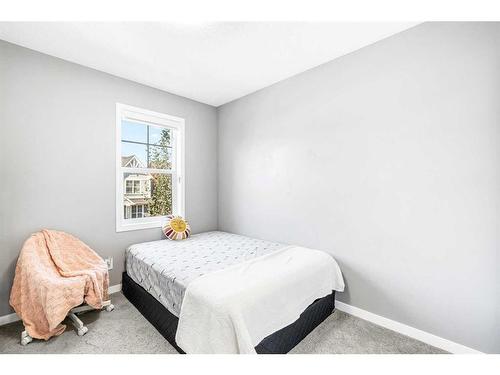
{"type": "Point", "coordinates": [213, 63]}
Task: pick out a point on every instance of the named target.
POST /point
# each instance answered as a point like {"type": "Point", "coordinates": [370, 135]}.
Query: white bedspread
{"type": "Point", "coordinates": [260, 296]}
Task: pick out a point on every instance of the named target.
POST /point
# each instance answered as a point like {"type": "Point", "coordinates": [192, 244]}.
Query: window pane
{"type": "Point", "coordinates": [134, 131]}
{"type": "Point", "coordinates": [137, 187]}
{"type": "Point", "coordinates": [159, 136]}
{"type": "Point", "coordinates": [161, 195]}
{"type": "Point", "coordinates": [134, 155]}
{"type": "Point", "coordinates": [147, 195]}
{"type": "Point", "coordinates": [160, 157]}
{"type": "Point", "coordinates": [129, 187]}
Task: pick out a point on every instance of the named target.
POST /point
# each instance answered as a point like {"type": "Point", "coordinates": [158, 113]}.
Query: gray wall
{"type": "Point", "coordinates": [388, 158]}
{"type": "Point", "coordinates": [57, 156]}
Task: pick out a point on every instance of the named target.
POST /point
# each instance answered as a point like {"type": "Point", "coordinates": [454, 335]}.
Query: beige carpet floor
{"type": "Point", "coordinates": [125, 330]}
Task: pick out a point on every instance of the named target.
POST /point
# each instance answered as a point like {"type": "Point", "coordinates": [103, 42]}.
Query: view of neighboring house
{"type": "Point", "coordinates": [137, 190]}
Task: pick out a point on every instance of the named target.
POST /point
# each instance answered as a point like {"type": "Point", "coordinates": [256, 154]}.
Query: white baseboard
{"type": "Point", "coordinates": [406, 330]}
{"type": "Point", "coordinates": [115, 288]}
{"type": "Point", "coordinates": [11, 318]}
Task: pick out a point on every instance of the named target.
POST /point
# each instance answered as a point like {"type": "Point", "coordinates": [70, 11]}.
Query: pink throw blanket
{"type": "Point", "coordinates": [56, 272]}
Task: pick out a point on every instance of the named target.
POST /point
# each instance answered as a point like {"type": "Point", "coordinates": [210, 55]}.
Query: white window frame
{"type": "Point", "coordinates": [177, 124]}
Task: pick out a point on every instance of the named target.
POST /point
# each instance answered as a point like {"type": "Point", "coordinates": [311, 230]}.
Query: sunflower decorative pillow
{"type": "Point", "coordinates": [176, 228]}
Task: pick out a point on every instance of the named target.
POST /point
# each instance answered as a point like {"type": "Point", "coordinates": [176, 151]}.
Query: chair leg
{"type": "Point", "coordinates": [80, 327]}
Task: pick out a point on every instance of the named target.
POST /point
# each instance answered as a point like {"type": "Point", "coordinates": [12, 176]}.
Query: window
{"type": "Point", "coordinates": [138, 211]}
{"type": "Point", "coordinates": [132, 186]}
{"type": "Point", "coordinates": [149, 167]}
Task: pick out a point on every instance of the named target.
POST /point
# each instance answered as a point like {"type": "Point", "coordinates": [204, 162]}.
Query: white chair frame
{"type": "Point", "coordinates": [81, 329]}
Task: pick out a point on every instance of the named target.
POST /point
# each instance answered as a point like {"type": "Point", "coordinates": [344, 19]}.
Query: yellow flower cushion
{"type": "Point", "coordinates": [176, 228]}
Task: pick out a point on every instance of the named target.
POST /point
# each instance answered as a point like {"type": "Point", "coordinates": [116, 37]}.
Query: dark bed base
{"type": "Point", "coordinates": [280, 342]}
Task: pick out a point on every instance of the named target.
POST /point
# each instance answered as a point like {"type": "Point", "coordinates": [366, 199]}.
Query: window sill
{"type": "Point", "coordinates": [125, 227]}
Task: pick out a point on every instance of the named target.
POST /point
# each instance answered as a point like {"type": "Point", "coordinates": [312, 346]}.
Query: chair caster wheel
{"type": "Point", "coordinates": [82, 331]}
{"type": "Point", "coordinates": [25, 338]}
{"type": "Point", "coordinates": [110, 308]}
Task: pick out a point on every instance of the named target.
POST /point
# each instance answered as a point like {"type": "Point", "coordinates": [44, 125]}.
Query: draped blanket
{"type": "Point", "coordinates": [232, 310]}
{"type": "Point", "coordinates": [56, 272]}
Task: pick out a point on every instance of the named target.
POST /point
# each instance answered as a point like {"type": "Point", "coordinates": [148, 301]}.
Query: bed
{"type": "Point", "coordinates": [158, 273]}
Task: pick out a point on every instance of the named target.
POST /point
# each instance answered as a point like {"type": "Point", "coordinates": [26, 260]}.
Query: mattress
{"type": "Point", "coordinates": [165, 268]}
